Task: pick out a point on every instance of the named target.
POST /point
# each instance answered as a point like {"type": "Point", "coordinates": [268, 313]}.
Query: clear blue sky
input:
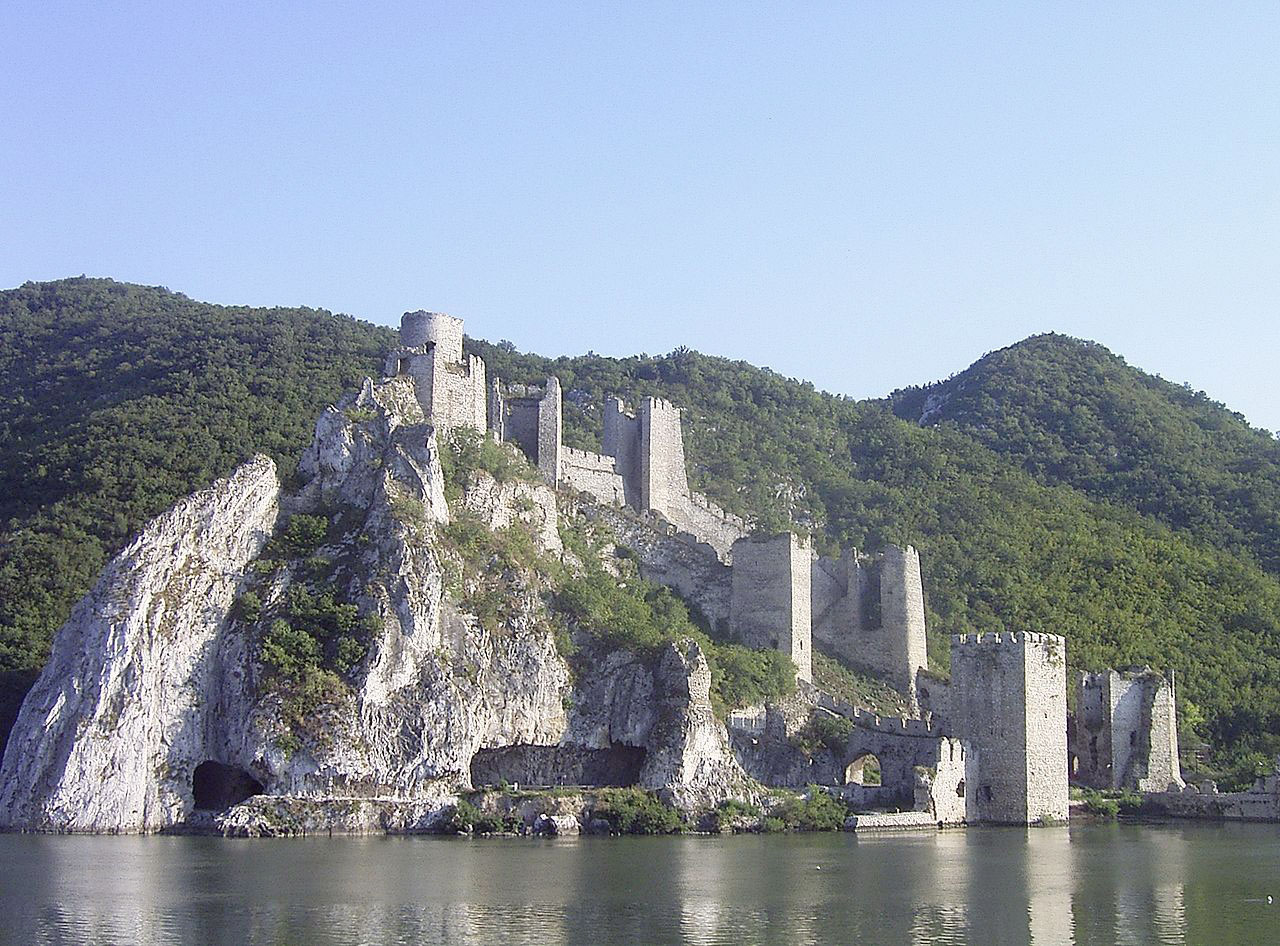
{"type": "Point", "coordinates": [866, 195]}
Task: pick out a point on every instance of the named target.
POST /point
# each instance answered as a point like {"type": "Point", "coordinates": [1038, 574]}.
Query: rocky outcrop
{"type": "Point", "coordinates": [109, 735]}
{"type": "Point", "coordinates": [500, 505]}
{"type": "Point", "coordinates": [156, 683]}
{"type": "Point", "coordinates": [689, 762]}
{"type": "Point", "coordinates": [437, 686]}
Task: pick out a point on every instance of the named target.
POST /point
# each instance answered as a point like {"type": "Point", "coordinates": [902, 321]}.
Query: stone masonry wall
{"type": "Point", "coordinates": [1007, 697]}
{"type": "Point", "coordinates": [1261, 802]}
{"type": "Point", "coordinates": [621, 440]}
{"type": "Point", "coordinates": [550, 431]}
{"type": "Point", "coordinates": [663, 483]}
{"type": "Point", "coordinates": [899, 651]}
{"type": "Point", "coordinates": [893, 646]}
{"type": "Point", "coordinates": [1125, 731]}
{"type": "Point", "coordinates": [770, 604]}
{"type": "Point", "coordinates": [593, 474]}
{"type": "Point", "coordinates": [519, 424]}
{"type": "Point", "coordinates": [648, 452]}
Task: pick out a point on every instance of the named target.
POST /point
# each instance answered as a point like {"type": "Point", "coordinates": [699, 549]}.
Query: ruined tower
{"type": "Point", "coordinates": [531, 418]}
{"type": "Point", "coordinates": [769, 604]}
{"type": "Point", "coordinates": [1008, 698]}
{"type": "Point", "coordinates": [870, 610]}
{"type": "Point", "coordinates": [1125, 732]}
{"type": "Point", "coordinates": [648, 454]}
{"type": "Point", "coordinates": [449, 385]}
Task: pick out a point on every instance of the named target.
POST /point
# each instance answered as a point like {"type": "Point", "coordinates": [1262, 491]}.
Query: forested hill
{"type": "Point", "coordinates": [1070, 412]}
{"type": "Point", "coordinates": [118, 399]}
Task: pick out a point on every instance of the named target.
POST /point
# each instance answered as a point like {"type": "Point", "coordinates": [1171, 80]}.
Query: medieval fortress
{"type": "Point", "coordinates": [991, 744]}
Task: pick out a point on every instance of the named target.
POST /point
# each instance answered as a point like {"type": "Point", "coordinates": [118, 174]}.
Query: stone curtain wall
{"type": "Point", "coordinates": [1163, 768]}
{"type": "Point", "coordinates": [593, 474]}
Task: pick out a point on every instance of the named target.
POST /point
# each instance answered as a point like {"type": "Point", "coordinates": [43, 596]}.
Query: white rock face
{"type": "Point", "coordinates": [666, 709]}
{"type": "Point", "coordinates": [155, 673]}
{"type": "Point", "coordinates": [499, 505]}
{"type": "Point", "coordinates": [436, 686]}
{"type": "Point", "coordinates": [689, 761]}
{"type": "Point", "coordinates": [108, 736]}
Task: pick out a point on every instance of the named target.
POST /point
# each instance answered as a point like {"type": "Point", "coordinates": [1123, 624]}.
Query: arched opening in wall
{"type": "Point", "coordinates": [403, 367]}
{"type": "Point", "coordinates": [217, 787]}
{"type": "Point", "coordinates": [1075, 765]}
{"type": "Point", "coordinates": [960, 789]}
{"type": "Point", "coordinates": [864, 770]}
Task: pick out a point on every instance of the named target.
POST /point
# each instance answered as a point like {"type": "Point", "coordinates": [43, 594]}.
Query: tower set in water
{"type": "Point", "coordinates": [999, 726]}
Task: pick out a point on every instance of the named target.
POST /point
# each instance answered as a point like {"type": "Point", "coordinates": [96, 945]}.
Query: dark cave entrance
{"type": "Point", "coordinates": [217, 787]}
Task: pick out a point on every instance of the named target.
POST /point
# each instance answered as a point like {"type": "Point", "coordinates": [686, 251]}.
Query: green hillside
{"type": "Point", "coordinates": [1070, 412]}
{"type": "Point", "coordinates": [120, 398]}
{"type": "Point", "coordinates": [117, 400]}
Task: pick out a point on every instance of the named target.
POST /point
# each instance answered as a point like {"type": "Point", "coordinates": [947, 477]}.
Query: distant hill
{"type": "Point", "coordinates": [116, 399]}
{"type": "Point", "coordinates": [1070, 412]}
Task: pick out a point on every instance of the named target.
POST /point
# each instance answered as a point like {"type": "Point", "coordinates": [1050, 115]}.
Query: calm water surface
{"type": "Point", "coordinates": [1180, 883]}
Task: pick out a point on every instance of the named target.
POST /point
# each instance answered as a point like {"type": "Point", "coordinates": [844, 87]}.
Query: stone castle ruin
{"type": "Point", "coordinates": [993, 741]}
{"type": "Point", "coordinates": [1124, 733]}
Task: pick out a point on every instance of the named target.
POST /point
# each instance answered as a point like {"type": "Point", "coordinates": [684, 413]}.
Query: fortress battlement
{"type": "Point", "coordinates": [997, 638]}
{"type": "Point", "coordinates": [865, 719]}
{"type": "Point", "coordinates": [704, 502]}
{"type": "Point", "coordinates": [586, 458]}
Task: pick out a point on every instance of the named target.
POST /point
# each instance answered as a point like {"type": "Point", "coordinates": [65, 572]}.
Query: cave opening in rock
{"type": "Point", "coordinates": [217, 787]}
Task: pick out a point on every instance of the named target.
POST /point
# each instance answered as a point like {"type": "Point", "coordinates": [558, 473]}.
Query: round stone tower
{"type": "Point", "coordinates": [415, 328]}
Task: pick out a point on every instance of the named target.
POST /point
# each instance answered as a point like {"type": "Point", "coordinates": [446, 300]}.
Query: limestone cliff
{"type": "Point", "coordinates": [107, 738]}
{"type": "Point", "coordinates": [159, 675]}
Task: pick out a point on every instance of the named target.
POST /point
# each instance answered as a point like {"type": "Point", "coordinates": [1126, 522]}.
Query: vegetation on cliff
{"type": "Point", "coordinates": [1135, 518]}
{"type": "Point", "coordinates": [118, 400]}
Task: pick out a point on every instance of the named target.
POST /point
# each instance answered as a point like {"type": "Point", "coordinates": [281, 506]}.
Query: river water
{"type": "Point", "coordinates": [1111, 883]}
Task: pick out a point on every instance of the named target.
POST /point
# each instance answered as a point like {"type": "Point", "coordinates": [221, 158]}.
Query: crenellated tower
{"type": "Point", "coordinates": [450, 386]}
{"type": "Point", "coordinates": [1008, 698]}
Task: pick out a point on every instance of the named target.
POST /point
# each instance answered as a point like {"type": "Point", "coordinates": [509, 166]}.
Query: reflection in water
{"type": "Point", "coordinates": [1047, 876]}
{"type": "Point", "coordinates": [941, 902]}
{"type": "Point", "coordinates": [1103, 884]}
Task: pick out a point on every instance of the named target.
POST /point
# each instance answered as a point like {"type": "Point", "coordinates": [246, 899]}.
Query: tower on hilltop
{"type": "Point", "coordinates": [449, 385]}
